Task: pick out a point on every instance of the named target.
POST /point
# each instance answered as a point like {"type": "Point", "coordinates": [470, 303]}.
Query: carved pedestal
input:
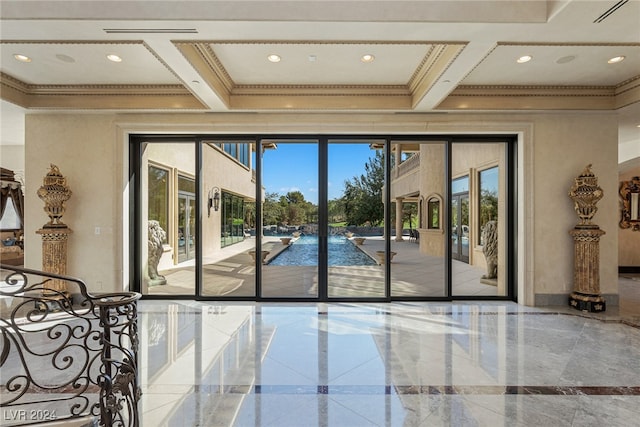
{"type": "Point", "coordinates": [54, 260]}
{"type": "Point", "coordinates": [585, 194]}
{"type": "Point", "coordinates": [54, 192]}
{"type": "Point", "coordinates": [586, 270]}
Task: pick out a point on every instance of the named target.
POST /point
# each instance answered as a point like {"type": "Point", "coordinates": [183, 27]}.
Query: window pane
{"type": "Point", "coordinates": [158, 197]}
{"type": "Point", "coordinates": [289, 220]}
{"type": "Point", "coordinates": [433, 214]}
{"type": "Point", "coordinates": [418, 267]}
{"type": "Point", "coordinates": [10, 220]}
{"type": "Point", "coordinates": [168, 219]}
{"type": "Point", "coordinates": [477, 210]}
{"type": "Point", "coordinates": [227, 267]}
{"type": "Point", "coordinates": [356, 220]}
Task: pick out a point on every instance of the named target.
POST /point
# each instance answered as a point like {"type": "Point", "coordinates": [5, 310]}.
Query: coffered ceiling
{"type": "Point", "coordinates": [428, 56]}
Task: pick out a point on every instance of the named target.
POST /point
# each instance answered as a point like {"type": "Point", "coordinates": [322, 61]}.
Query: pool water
{"type": "Point", "coordinates": [304, 251]}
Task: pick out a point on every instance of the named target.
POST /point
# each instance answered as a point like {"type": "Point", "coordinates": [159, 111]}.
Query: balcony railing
{"type": "Point", "coordinates": [408, 165]}
{"type": "Point", "coordinates": [66, 355]}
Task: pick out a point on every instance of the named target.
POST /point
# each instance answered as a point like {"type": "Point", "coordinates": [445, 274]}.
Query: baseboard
{"type": "Point", "coordinates": [544, 300]}
{"type": "Point", "coordinates": [629, 269]}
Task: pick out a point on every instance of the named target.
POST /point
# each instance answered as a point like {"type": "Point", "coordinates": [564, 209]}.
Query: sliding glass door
{"type": "Point", "coordinates": [325, 218]}
{"type": "Point", "coordinates": [480, 225]}
{"type": "Point", "coordinates": [355, 219]}
{"type": "Point", "coordinates": [290, 237]}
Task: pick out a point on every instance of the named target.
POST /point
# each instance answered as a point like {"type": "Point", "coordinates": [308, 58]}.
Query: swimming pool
{"type": "Point", "coordinates": [305, 252]}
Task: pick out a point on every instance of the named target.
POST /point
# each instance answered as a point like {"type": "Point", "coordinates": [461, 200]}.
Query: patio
{"type": "Point", "coordinates": [232, 274]}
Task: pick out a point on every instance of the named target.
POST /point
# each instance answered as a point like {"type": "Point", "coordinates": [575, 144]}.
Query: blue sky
{"type": "Point", "coordinates": [294, 167]}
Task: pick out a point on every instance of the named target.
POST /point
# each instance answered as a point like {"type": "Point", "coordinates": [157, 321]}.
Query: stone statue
{"type": "Point", "coordinates": [156, 237]}
{"type": "Point", "coordinates": [490, 249]}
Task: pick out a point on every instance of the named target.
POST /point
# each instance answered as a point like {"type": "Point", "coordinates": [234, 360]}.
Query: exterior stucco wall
{"type": "Point", "coordinates": [91, 152]}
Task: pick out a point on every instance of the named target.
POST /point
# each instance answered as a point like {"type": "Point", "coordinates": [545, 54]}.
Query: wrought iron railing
{"type": "Point", "coordinates": [66, 354]}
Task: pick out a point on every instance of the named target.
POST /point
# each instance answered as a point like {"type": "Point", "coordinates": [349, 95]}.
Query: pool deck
{"type": "Point", "coordinates": [231, 273]}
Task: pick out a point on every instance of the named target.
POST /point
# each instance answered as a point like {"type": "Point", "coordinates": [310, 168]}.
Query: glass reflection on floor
{"type": "Point", "coordinates": [395, 364]}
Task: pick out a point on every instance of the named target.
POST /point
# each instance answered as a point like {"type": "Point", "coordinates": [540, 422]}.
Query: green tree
{"type": "Point", "coordinates": [336, 210]}
{"type": "Point", "coordinates": [295, 210]}
{"type": "Point", "coordinates": [272, 212]}
{"type": "Point", "coordinates": [362, 198]}
{"type": "Point", "coordinates": [410, 210]}
{"type": "Point", "coordinates": [250, 214]}
{"type": "Point", "coordinates": [295, 197]}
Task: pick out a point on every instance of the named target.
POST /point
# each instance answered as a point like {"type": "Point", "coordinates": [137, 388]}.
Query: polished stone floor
{"type": "Point", "coordinates": [393, 364]}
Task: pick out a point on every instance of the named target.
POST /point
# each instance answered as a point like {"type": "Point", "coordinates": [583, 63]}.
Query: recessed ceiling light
{"type": "Point", "coordinates": [313, 58]}
{"type": "Point", "coordinates": [274, 58]}
{"type": "Point", "coordinates": [616, 59]}
{"type": "Point", "coordinates": [21, 58]}
{"type": "Point", "coordinates": [367, 58]}
{"type": "Point", "coordinates": [114, 58]}
{"type": "Point", "coordinates": [523, 59]}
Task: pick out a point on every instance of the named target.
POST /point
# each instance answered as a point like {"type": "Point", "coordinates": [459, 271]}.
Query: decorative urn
{"type": "Point", "coordinates": [585, 193]}
{"type": "Point", "coordinates": [54, 192]}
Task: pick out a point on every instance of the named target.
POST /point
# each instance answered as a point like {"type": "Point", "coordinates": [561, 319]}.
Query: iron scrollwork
{"type": "Point", "coordinates": [69, 354]}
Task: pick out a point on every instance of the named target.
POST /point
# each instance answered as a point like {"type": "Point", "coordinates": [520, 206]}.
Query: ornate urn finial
{"type": "Point", "coordinates": [54, 192]}
{"type": "Point", "coordinates": [585, 193]}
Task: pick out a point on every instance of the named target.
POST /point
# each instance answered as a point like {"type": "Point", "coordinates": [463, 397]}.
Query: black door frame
{"type": "Point", "coordinates": [136, 142]}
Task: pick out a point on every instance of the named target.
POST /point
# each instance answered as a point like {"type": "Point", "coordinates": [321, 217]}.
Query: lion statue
{"type": "Point", "coordinates": [490, 249]}
{"type": "Point", "coordinates": [156, 237]}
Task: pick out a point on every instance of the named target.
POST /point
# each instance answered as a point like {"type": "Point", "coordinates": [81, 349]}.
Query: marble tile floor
{"type": "Point", "coordinates": [394, 364]}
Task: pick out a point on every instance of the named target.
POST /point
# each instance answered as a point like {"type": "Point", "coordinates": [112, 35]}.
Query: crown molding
{"type": "Point", "coordinates": [531, 98]}
{"type": "Point", "coordinates": [97, 96]}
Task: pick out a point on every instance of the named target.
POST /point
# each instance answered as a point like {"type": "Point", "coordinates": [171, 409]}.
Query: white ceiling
{"type": "Point", "coordinates": [211, 56]}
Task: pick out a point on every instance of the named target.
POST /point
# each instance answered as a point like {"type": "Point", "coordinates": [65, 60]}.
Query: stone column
{"type": "Point", "coordinates": [399, 219]}
{"type": "Point", "coordinates": [585, 193]}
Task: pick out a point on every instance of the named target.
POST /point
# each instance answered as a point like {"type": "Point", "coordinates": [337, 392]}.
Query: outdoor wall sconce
{"type": "Point", "coordinates": [214, 200]}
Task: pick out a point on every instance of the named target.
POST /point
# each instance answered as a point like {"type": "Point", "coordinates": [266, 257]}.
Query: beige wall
{"type": "Point", "coordinates": [86, 150]}
{"type": "Point", "coordinates": [554, 148]}
{"type": "Point", "coordinates": [563, 146]}
{"type": "Point", "coordinates": [12, 157]}
{"type": "Point", "coordinates": [628, 240]}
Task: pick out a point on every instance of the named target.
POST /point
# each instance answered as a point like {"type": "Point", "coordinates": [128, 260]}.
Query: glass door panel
{"type": "Point", "coordinates": [228, 219]}
{"type": "Point", "coordinates": [418, 235]}
{"type": "Point", "coordinates": [168, 218]}
{"type": "Point", "coordinates": [186, 218]}
{"type": "Point", "coordinates": [290, 238]}
{"type": "Point", "coordinates": [478, 219]}
{"type": "Point", "coordinates": [355, 226]}
{"type": "Point", "coordinates": [460, 223]}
